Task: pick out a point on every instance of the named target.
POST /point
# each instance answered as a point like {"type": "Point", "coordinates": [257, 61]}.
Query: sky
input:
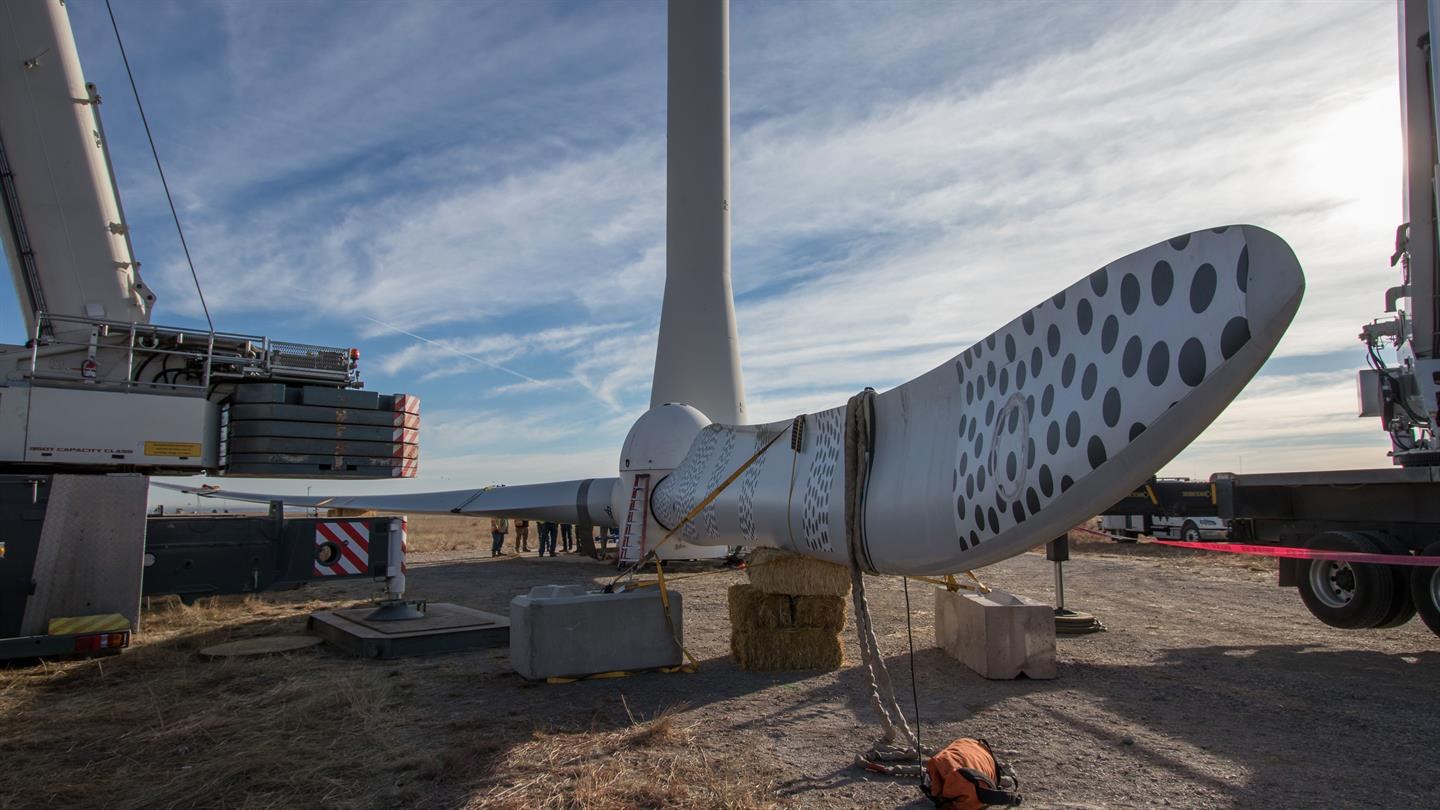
{"type": "Point", "coordinates": [473, 194]}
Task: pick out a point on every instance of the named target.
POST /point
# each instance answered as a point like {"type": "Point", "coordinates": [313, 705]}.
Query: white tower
{"type": "Point", "coordinates": [698, 359]}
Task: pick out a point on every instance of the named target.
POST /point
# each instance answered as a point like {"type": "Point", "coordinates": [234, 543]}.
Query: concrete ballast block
{"type": "Point", "coordinates": [999, 635]}
{"type": "Point", "coordinates": [565, 631]}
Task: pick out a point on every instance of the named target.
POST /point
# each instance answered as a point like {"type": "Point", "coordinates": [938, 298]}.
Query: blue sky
{"type": "Point", "coordinates": [906, 178]}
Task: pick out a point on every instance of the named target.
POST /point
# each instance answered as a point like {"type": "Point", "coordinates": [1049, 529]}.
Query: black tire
{"type": "Point", "coordinates": [1348, 596]}
{"type": "Point", "coordinates": [1425, 590]}
{"type": "Point", "coordinates": [1402, 607]}
{"type": "Point", "coordinates": [1190, 533]}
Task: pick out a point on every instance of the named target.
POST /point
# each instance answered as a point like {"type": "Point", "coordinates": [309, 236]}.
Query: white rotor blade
{"type": "Point", "coordinates": [1032, 430]}
{"type": "Point", "coordinates": [583, 501]}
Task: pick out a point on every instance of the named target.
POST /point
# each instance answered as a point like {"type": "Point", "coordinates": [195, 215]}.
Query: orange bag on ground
{"type": "Point", "coordinates": [966, 776]}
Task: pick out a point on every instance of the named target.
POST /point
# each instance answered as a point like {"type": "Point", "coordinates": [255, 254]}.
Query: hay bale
{"type": "Point", "coordinates": [786, 648]}
{"type": "Point", "coordinates": [775, 571]}
{"type": "Point", "coordinates": [752, 607]}
{"type": "Point", "coordinates": [824, 612]}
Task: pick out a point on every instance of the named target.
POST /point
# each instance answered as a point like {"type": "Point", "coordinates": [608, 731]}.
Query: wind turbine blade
{"type": "Point", "coordinates": [583, 501]}
{"type": "Point", "coordinates": [1058, 414]}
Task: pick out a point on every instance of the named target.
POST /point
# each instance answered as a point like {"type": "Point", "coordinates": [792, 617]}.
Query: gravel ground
{"type": "Point", "coordinates": [1210, 688]}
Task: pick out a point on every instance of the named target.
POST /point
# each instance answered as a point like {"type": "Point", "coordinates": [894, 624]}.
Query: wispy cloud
{"type": "Point", "coordinates": [907, 178]}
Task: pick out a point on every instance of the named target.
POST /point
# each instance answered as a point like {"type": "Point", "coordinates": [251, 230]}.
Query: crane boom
{"type": "Point", "coordinates": [67, 243]}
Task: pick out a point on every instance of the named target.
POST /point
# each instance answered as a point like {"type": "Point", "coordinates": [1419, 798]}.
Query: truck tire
{"type": "Point", "coordinates": [1425, 590]}
{"type": "Point", "coordinates": [1345, 595]}
{"type": "Point", "coordinates": [1189, 532]}
{"type": "Point", "coordinates": [1402, 607]}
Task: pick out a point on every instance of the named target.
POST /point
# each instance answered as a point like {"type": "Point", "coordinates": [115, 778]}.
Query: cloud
{"type": "Point", "coordinates": [491, 177]}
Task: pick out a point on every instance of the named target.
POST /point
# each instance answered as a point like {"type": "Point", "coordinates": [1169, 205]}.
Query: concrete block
{"type": "Point", "coordinates": [999, 635]}
{"type": "Point", "coordinates": [565, 631]}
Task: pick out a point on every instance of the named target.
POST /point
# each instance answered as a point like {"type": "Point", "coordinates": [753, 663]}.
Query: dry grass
{"type": "Point", "coordinates": [161, 727]}
{"type": "Point", "coordinates": [651, 763]}
{"type": "Point", "coordinates": [453, 533]}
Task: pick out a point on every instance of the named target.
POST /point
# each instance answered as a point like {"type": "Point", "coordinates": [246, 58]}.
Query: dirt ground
{"type": "Point", "coordinates": [1210, 688]}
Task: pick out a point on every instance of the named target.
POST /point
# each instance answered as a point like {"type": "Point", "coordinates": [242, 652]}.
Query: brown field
{"type": "Point", "coordinates": [1211, 688]}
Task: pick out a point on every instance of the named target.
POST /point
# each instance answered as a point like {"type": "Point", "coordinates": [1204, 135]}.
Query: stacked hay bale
{"type": "Point", "coordinates": [790, 615]}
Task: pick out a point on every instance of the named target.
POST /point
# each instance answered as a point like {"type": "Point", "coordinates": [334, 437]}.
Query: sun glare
{"type": "Point", "coordinates": [1354, 155]}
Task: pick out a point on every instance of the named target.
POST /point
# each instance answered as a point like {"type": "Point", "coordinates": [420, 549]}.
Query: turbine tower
{"type": "Point", "coordinates": [697, 361]}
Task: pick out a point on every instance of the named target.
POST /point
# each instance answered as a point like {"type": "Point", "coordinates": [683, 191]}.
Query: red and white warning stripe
{"type": "Point", "coordinates": [405, 451]}
{"type": "Point", "coordinates": [351, 539]}
{"type": "Point", "coordinates": [405, 436]}
{"type": "Point", "coordinates": [408, 421]}
{"type": "Point", "coordinates": [406, 403]}
{"type": "Point", "coordinates": [408, 468]}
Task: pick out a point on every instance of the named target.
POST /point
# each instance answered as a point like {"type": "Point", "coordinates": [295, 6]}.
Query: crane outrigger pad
{"type": "Point", "coordinates": [443, 628]}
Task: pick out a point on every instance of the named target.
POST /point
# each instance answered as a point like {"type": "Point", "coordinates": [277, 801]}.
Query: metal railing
{"type": "Point", "coordinates": [206, 358]}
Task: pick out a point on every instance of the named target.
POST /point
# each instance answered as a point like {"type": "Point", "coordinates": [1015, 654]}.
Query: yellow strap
{"type": "Point", "coordinates": [951, 584]}
{"type": "Point", "coordinates": [978, 584]}
{"type": "Point", "coordinates": [670, 620]}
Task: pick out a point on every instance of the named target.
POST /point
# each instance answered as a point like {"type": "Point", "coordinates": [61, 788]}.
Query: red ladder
{"type": "Point", "coordinates": [637, 516]}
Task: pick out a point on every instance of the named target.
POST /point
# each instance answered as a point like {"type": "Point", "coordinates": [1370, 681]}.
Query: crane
{"type": "Point", "coordinates": [99, 397]}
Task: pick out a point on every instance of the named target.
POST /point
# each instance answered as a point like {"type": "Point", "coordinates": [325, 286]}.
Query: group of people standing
{"type": "Point", "coordinates": [546, 530]}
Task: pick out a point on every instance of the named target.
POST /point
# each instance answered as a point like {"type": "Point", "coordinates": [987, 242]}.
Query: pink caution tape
{"type": "Point", "coordinates": [1308, 553]}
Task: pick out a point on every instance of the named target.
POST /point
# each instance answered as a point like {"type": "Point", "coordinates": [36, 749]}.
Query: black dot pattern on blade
{"type": "Point", "coordinates": [1096, 452]}
{"type": "Point", "coordinates": [1134, 353]}
{"type": "Point", "coordinates": [1162, 283]}
{"type": "Point", "coordinates": [1109, 334]}
{"type": "Point", "coordinates": [1202, 288]}
{"type": "Point", "coordinates": [1110, 409]}
{"type": "Point", "coordinates": [1158, 367]}
{"type": "Point", "coordinates": [1180, 242]}
{"type": "Point", "coordinates": [1242, 269]}
{"type": "Point", "coordinates": [1047, 400]}
{"type": "Point", "coordinates": [1192, 362]}
{"type": "Point", "coordinates": [1129, 293]}
{"type": "Point", "coordinates": [1234, 337]}
{"type": "Point", "coordinates": [1100, 280]}
{"type": "Point", "coordinates": [1088, 381]}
